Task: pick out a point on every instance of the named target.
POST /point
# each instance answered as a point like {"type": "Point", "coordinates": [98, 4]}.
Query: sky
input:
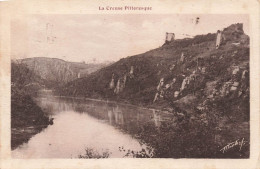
{"type": "Point", "coordinates": [109, 37]}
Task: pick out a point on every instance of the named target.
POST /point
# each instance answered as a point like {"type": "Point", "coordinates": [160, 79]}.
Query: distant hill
{"type": "Point", "coordinates": [57, 71]}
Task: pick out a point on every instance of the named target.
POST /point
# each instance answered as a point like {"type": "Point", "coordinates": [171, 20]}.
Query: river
{"type": "Point", "coordinates": [82, 125]}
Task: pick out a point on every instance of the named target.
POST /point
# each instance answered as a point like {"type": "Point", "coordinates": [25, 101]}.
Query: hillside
{"type": "Point", "coordinates": [190, 59]}
{"type": "Point", "coordinates": [57, 71]}
{"type": "Point", "coordinates": [205, 86]}
{"type": "Point", "coordinates": [25, 113]}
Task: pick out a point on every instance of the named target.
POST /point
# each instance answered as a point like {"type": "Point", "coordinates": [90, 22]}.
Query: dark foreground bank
{"type": "Point", "coordinates": [27, 119]}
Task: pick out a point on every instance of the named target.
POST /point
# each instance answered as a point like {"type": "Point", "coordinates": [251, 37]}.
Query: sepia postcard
{"type": "Point", "coordinates": [129, 84]}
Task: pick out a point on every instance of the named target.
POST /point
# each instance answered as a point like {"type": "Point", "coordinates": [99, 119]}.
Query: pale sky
{"type": "Point", "coordinates": [109, 37]}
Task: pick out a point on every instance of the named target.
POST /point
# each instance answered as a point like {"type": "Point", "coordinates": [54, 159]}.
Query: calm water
{"type": "Point", "coordinates": [86, 124]}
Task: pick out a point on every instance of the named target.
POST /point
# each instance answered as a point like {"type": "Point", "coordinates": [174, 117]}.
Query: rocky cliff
{"type": "Point", "coordinates": [57, 71]}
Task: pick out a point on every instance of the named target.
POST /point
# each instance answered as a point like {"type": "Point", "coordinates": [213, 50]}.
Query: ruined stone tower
{"type": "Point", "coordinates": [169, 37]}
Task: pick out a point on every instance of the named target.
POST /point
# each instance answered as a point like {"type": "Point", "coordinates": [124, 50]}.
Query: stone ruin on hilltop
{"type": "Point", "coordinates": [169, 37]}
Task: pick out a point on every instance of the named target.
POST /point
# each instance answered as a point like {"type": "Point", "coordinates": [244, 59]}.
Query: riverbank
{"type": "Point", "coordinates": [27, 119]}
{"type": "Point", "coordinates": [163, 108]}
{"type": "Point", "coordinates": [23, 134]}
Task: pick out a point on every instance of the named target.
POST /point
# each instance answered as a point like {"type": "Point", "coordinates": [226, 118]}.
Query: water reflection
{"type": "Point", "coordinates": [81, 124]}
{"type": "Point", "coordinates": [119, 115]}
{"type": "Point", "coordinates": [156, 118]}
{"type": "Point", "coordinates": [115, 116]}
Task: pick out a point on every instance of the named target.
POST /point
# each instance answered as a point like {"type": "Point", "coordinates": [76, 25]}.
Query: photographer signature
{"type": "Point", "coordinates": [238, 142]}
